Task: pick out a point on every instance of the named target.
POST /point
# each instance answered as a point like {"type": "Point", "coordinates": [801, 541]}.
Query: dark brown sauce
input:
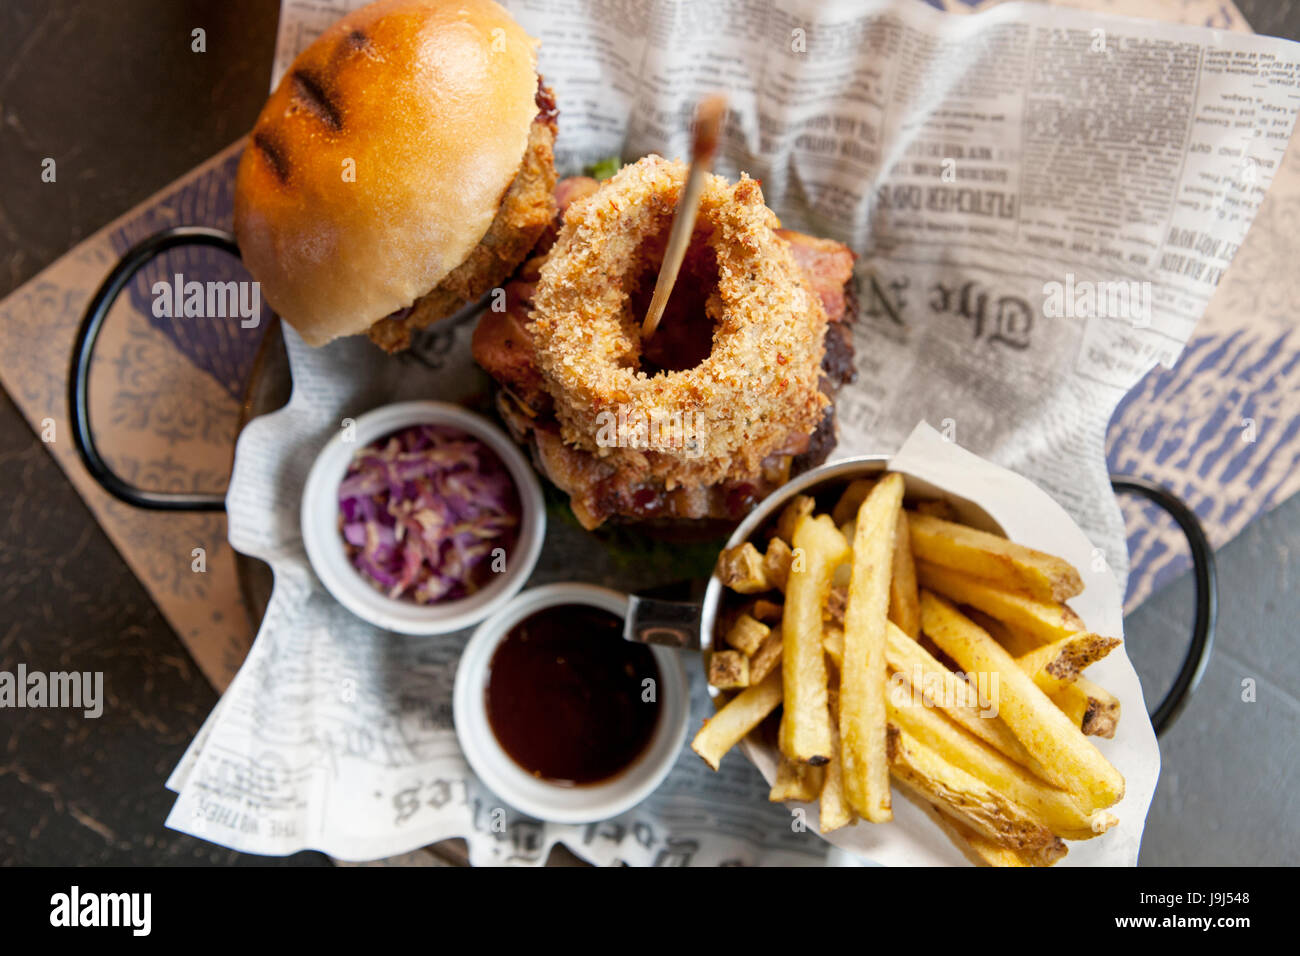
{"type": "Point", "coordinates": [564, 697]}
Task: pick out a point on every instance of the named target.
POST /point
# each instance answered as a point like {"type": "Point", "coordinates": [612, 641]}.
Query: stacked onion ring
{"type": "Point", "coordinates": [757, 386]}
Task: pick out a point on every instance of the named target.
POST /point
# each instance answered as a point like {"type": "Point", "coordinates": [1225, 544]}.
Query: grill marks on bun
{"type": "Point", "coordinates": [267, 143]}
{"type": "Point", "coordinates": [309, 94]}
{"type": "Point", "coordinates": [357, 39]}
{"type": "Point", "coordinates": [312, 93]}
{"type": "Point", "coordinates": [314, 90]}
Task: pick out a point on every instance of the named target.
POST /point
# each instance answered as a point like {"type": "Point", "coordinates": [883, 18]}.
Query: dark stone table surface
{"type": "Point", "coordinates": [113, 91]}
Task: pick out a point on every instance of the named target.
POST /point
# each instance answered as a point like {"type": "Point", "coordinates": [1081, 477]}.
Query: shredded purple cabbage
{"type": "Point", "coordinates": [423, 510]}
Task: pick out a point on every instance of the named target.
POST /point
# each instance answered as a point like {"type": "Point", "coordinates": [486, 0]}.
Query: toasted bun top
{"type": "Point", "coordinates": [379, 161]}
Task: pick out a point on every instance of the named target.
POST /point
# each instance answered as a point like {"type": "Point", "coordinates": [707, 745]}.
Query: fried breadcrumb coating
{"type": "Point", "coordinates": [759, 384]}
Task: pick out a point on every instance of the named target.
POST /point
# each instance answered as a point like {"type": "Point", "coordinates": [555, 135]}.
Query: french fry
{"type": "Point", "coordinates": [765, 610]}
{"type": "Point", "coordinates": [833, 644]}
{"type": "Point", "coordinates": [1044, 621]}
{"type": "Point", "coordinates": [741, 569]}
{"type": "Point", "coordinates": [1072, 702]}
{"type": "Point", "coordinates": [728, 670]}
{"type": "Point", "coordinates": [836, 602]}
{"type": "Point", "coordinates": [1103, 709]}
{"type": "Point", "coordinates": [767, 658]}
{"type": "Point", "coordinates": [796, 781]}
{"type": "Point", "coordinates": [942, 688]}
{"type": "Point", "coordinates": [904, 605]}
{"type": "Point", "coordinates": [1055, 665]}
{"type": "Point", "coordinates": [800, 506]}
{"type": "Point", "coordinates": [747, 634]}
{"type": "Point", "coordinates": [846, 509]}
{"type": "Point", "coordinates": [1016, 641]}
{"type": "Point", "coordinates": [862, 678]}
{"type": "Point", "coordinates": [805, 721]}
{"type": "Point", "coordinates": [1004, 563]}
{"type": "Point", "coordinates": [833, 808]}
{"type": "Point", "coordinates": [736, 718]}
{"type": "Point", "coordinates": [776, 563]}
{"type": "Point", "coordinates": [979, 849]}
{"type": "Point", "coordinates": [911, 664]}
{"type": "Point", "coordinates": [978, 805]}
{"type": "Point", "coordinates": [1071, 761]}
{"type": "Point", "coordinates": [1095, 709]}
{"type": "Point", "coordinates": [1053, 807]}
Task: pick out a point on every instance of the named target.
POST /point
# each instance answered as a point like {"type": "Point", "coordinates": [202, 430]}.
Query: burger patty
{"type": "Point", "coordinates": [527, 209]}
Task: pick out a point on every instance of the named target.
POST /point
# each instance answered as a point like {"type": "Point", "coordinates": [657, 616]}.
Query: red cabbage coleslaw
{"type": "Point", "coordinates": [428, 513]}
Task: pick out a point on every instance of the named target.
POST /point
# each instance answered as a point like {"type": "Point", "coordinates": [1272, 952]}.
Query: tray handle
{"type": "Point", "coordinates": [136, 258]}
{"type": "Point", "coordinates": [1205, 580]}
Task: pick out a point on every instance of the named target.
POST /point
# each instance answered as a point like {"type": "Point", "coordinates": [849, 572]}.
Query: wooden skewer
{"type": "Point", "coordinates": [709, 115]}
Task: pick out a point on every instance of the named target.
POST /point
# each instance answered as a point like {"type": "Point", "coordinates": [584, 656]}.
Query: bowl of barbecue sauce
{"type": "Point", "coordinates": [561, 717]}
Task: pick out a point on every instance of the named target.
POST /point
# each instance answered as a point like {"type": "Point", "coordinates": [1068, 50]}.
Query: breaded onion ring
{"type": "Point", "coordinates": [757, 386]}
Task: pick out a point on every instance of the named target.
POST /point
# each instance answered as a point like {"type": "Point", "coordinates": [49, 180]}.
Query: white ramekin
{"type": "Point", "coordinates": [327, 553]}
{"type": "Point", "coordinates": [520, 789]}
